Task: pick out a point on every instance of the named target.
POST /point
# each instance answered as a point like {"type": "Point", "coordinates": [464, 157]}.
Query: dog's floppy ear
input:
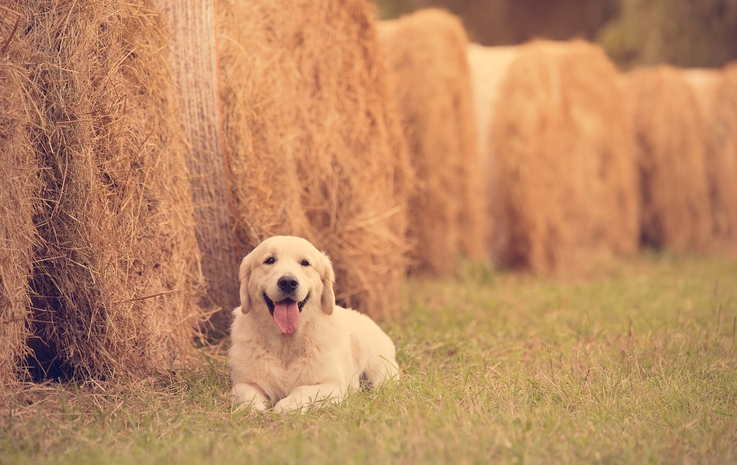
{"type": "Point", "coordinates": [244, 276]}
{"type": "Point", "coordinates": [327, 300]}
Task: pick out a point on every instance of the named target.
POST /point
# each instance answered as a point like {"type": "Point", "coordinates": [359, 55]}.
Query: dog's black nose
{"type": "Point", "coordinates": [288, 283]}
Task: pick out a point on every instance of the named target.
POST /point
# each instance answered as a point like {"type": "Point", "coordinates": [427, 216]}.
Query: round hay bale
{"type": "Point", "coordinates": [713, 93]}
{"type": "Point", "coordinates": [722, 159]}
{"type": "Point", "coordinates": [427, 54]}
{"type": "Point", "coordinates": [115, 284]}
{"type": "Point", "coordinates": [564, 147]}
{"type": "Point", "coordinates": [193, 54]}
{"type": "Point", "coordinates": [489, 66]}
{"type": "Point", "coordinates": [314, 147]}
{"type": "Point", "coordinates": [671, 159]}
{"type": "Point", "coordinates": [704, 83]}
{"type": "Point", "coordinates": [18, 176]}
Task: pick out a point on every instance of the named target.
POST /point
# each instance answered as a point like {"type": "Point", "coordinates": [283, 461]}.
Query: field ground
{"type": "Point", "coordinates": [634, 364]}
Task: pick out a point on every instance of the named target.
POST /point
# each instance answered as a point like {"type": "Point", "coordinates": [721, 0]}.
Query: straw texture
{"type": "Point", "coordinates": [19, 181]}
{"type": "Point", "coordinates": [193, 54]}
{"type": "Point", "coordinates": [314, 145]}
{"type": "Point", "coordinates": [115, 283]}
{"type": "Point", "coordinates": [427, 54]}
{"type": "Point", "coordinates": [671, 155]}
{"type": "Point", "coordinates": [564, 146]}
{"type": "Point", "coordinates": [723, 158]}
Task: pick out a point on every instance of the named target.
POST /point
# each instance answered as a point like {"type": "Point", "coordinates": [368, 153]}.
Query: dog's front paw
{"type": "Point", "coordinates": [254, 404]}
{"type": "Point", "coordinates": [290, 404]}
{"type": "Point", "coordinates": [246, 396]}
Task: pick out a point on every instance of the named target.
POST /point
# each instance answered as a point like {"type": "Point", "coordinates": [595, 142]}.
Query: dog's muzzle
{"type": "Point", "coordinates": [286, 312]}
{"type": "Point", "coordinates": [270, 303]}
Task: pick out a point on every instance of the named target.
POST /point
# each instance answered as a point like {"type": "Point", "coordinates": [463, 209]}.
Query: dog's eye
{"type": "Point", "coordinates": [305, 263]}
{"type": "Point", "coordinates": [269, 261]}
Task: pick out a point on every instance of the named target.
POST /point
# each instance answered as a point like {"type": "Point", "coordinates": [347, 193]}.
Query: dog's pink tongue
{"type": "Point", "coordinates": [286, 316]}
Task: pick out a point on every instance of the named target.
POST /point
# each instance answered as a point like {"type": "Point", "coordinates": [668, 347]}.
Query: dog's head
{"type": "Point", "coordinates": [285, 275]}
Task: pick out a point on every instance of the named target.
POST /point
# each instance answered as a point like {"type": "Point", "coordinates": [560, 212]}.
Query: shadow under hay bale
{"type": "Point", "coordinates": [313, 146]}
{"type": "Point", "coordinates": [671, 159]}
{"type": "Point", "coordinates": [722, 159]}
{"type": "Point", "coordinates": [427, 56]}
{"type": "Point", "coordinates": [114, 287]}
{"type": "Point", "coordinates": [18, 178]}
{"type": "Point", "coordinates": [563, 146]}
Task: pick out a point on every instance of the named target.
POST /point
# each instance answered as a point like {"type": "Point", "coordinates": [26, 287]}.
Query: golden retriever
{"type": "Point", "coordinates": [292, 345]}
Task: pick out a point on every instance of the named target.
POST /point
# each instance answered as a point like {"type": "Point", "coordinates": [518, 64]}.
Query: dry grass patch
{"type": "Point", "coordinates": [635, 363]}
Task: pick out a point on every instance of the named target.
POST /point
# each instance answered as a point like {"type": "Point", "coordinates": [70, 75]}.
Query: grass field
{"type": "Point", "coordinates": [637, 363]}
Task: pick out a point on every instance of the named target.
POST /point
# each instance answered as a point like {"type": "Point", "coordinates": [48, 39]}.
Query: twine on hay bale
{"type": "Point", "coordinates": [18, 178]}
{"type": "Point", "coordinates": [671, 159]}
{"type": "Point", "coordinates": [115, 285]}
{"type": "Point", "coordinates": [427, 55]}
{"type": "Point", "coordinates": [722, 159]}
{"type": "Point", "coordinates": [314, 148]}
{"type": "Point", "coordinates": [704, 82]}
{"type": "Point", "coordinates": [193, 54]}
{"type": "Point", "coordinates": [563, 146]}
{"type": "Point", "coordinates": [489, 67]}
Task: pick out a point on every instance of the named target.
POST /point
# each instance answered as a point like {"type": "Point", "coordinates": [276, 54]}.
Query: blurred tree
{"type": "Point", "coordinates": [680, 32]}
{"type": "Point", "coordinates": [389, 9]}
{"type": "Point", "coordinates": [634, 32]}
{"type": "Point", "coordinates": [504, 22]}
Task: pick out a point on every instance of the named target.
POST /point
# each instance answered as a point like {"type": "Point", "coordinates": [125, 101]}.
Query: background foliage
{"type": "Point", "coordinates": [634, 32]}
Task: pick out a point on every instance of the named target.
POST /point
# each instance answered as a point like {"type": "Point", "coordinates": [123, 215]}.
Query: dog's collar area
{"type": "Point", "coordinates": [270, 303]}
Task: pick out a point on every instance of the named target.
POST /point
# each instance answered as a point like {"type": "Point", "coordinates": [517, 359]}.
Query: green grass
{"type": "Point", "coordinates": [634, 364]}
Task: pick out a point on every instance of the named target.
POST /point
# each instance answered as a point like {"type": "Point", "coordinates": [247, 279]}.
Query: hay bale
{"type": "Point", "coordinates": [671, 159]}
{"type": "Point", "coordinates": [313, 145]}
{"type": "Point", "coordinates": [564, 148]}
{"type": "Point", "coordinates": [718, 105]}
{"type": "Point", "coordinates": [193, 54]}
{"type": "Point", "coordinates": [18, 172]}
{"type": "Point", "coordinates": [722, 159]}
{"type": "Point", "coordinates": [704, 83]}
{"type": "Point", "coordinates": [427, 54]}
{"type": "Point", "coordinates": [115, 287]}
{"type": "Point", "coordinates": [489, 66]}
{"type": "Point", "coordinates": [261, 135]}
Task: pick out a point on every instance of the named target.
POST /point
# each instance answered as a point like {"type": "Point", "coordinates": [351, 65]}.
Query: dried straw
{"type": "Point", "coordinates": [564, 148]}
{"type": "Point", "coordinates": [115, 287]}
{"type": "Point", "coordinates": [193, 53]}
{"type": "Point", "coordinates": [18, 178]}
{"type": "Point", "coordinates": [427, 54]}
{"type": "Point", "coordinates": [704, 82]}
{"type": "Point", "coordinates": [722, 159]}
{"type": "Point", "coordinates": [314, 148]}
{"type": "Point", "coordinates": [671, 159]}
{"type": "Point", "coordinates": [489, 66]}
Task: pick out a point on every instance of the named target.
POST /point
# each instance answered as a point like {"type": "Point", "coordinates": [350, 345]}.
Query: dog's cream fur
{"type": "Point", "coordinates": [332, 349]}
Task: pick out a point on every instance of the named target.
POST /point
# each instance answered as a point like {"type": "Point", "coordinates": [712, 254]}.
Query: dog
{"type": "Point", "coordinates": [292, 346]}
